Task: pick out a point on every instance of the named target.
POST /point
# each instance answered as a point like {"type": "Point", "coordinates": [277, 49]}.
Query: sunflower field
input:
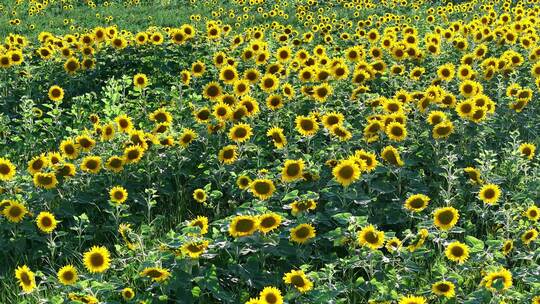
{"type": "Point", "coordinates": [270, 152]}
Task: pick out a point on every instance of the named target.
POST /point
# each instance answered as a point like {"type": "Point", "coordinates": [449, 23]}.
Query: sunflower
{"type": "Point", "coordinates": [262, 188]}
{"type": "Point", "coordinates": [7, 169]}
{"type": "Point", "coordinates": [396, 131]}
{"type": "Point", "coordinates": [507, 246]}
{"type": "Point", "coordinates": [371, 237]}
{"type": "Point", "coordinates": [417, 202]}
{"type": "Point", "coordinates": [199, 195]}
{"type": "Point", "coordinates": [240, 132]}
{"type": "Point", "coordinates": [346, 172]}
{"type": "Point", "coordinates": [157, 274]}
{"type": "Point", "coordinates": [161, 115]}
{"type": "Point", "coordinates": [529, 236]}
{"type": "Point", "coordinates": [45, 180]}
{"type": "Point", "coordinates": [391, 155]}
{"type": "Point", "coordinates": [243, 225]}
{"type": "Point", "coordinates": [15, 211]}
{"type": "Point", "coordinates": [67, 275]}
{"type": "Point", "coordinates": [393, 244]}
{"type": "Point", "coordinates": [140, 81]}
{"type": "Point", "coordinates": [72, 65]}
{"type": "Point", "coordinates": [302, 233]}
{"type": "Point", "coordinates": [85, 142]}
{"type": "Point", "coordinates": [302, 206]}
{"type": "Point", "coordinates": [198, 68]}
{"type": "Point", "coordinates": [252, 75]}
{"type": "Point", "coordinates": [412, 300]}
{"type": "Point", "coordinates": [443, 130]}
{"type": "Point", "coordinates": [228, 154]}
{"type": "Point", "coordinates": [322, 92]}
{"type": "Point", "coordinates": [292, 170]}
{"type": "Point", "coordinates": [473, 174]}
{"type": "Point", "coordinates": [527, 150]}
{"type": "Point", "coordinates": [128, 293]}
{"type": "Point", "coordinates": [269, 222]}
{"type": "Point", "coordinates": [185, 77]}
{"type": "Point", "coordinates": [299, 280]}
{"type": "Point", "coordinates": [274, 102]}
{"type": "Point", "coordinates": [446, 217]}
{"type": "Point", "coordinates": [194, 249]}
{"type": "Point", "coordinates": [56, 93]}
{"type": "Point", "coordinates": [278, 138]}
{"type": "Point", "coordinates": [444, 288]}
{"type": "Point", "coordinates": [332, 119]}
{"type": "Point", "coordinates": [124, 124]}
{"type": "Point", "coordinates": [241, 87]}
{"type": "Point", "coordinates": [243, 182]}
{"type": "Point", "coordinates": [37, 164]}
{"type": "Point", "coordinates": [228, 74]}
{"type": "Point", "coordinates": [91, 164]}
{"type": "Point", "coordinates": [97, 259]}
{"type": "Point", "coordinates": [469, 88]}
{"type": "Point", "coordinates": [201, 222]}
{"type": "Point", "coordinates": [251, 105]}
{"type": "Point", "coordinates": [107, 132]}
{"type": "Point", "coordinates": [187, 137]}
{"type": "Point", "coordinates": [118, 195]}
{"type": "Point", "coordinates": [270, 295]}
{"type": "Point", "coordinates": [46, 222]}
{"type": "Point", "coordinates": [269, 83]}
{"type": "Point", "coordinates": [498, 280]}
{"type": "Point", "coordinates": [306, 125]}
{"type": "Point", "coordinates": [115, 164]}
{"type": "Point", "coordinates": [133, 154]}
{"type": "Point", "coordinates": [532, 213]}
{"type": "Point", "coordinates": [26, 278]}
{"type": "Point", "coordinates": [489, 194]}
{"type": "Point", "coordinates": [457, 252]}
{"type": "Point", "coordinates": [369, 159]}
